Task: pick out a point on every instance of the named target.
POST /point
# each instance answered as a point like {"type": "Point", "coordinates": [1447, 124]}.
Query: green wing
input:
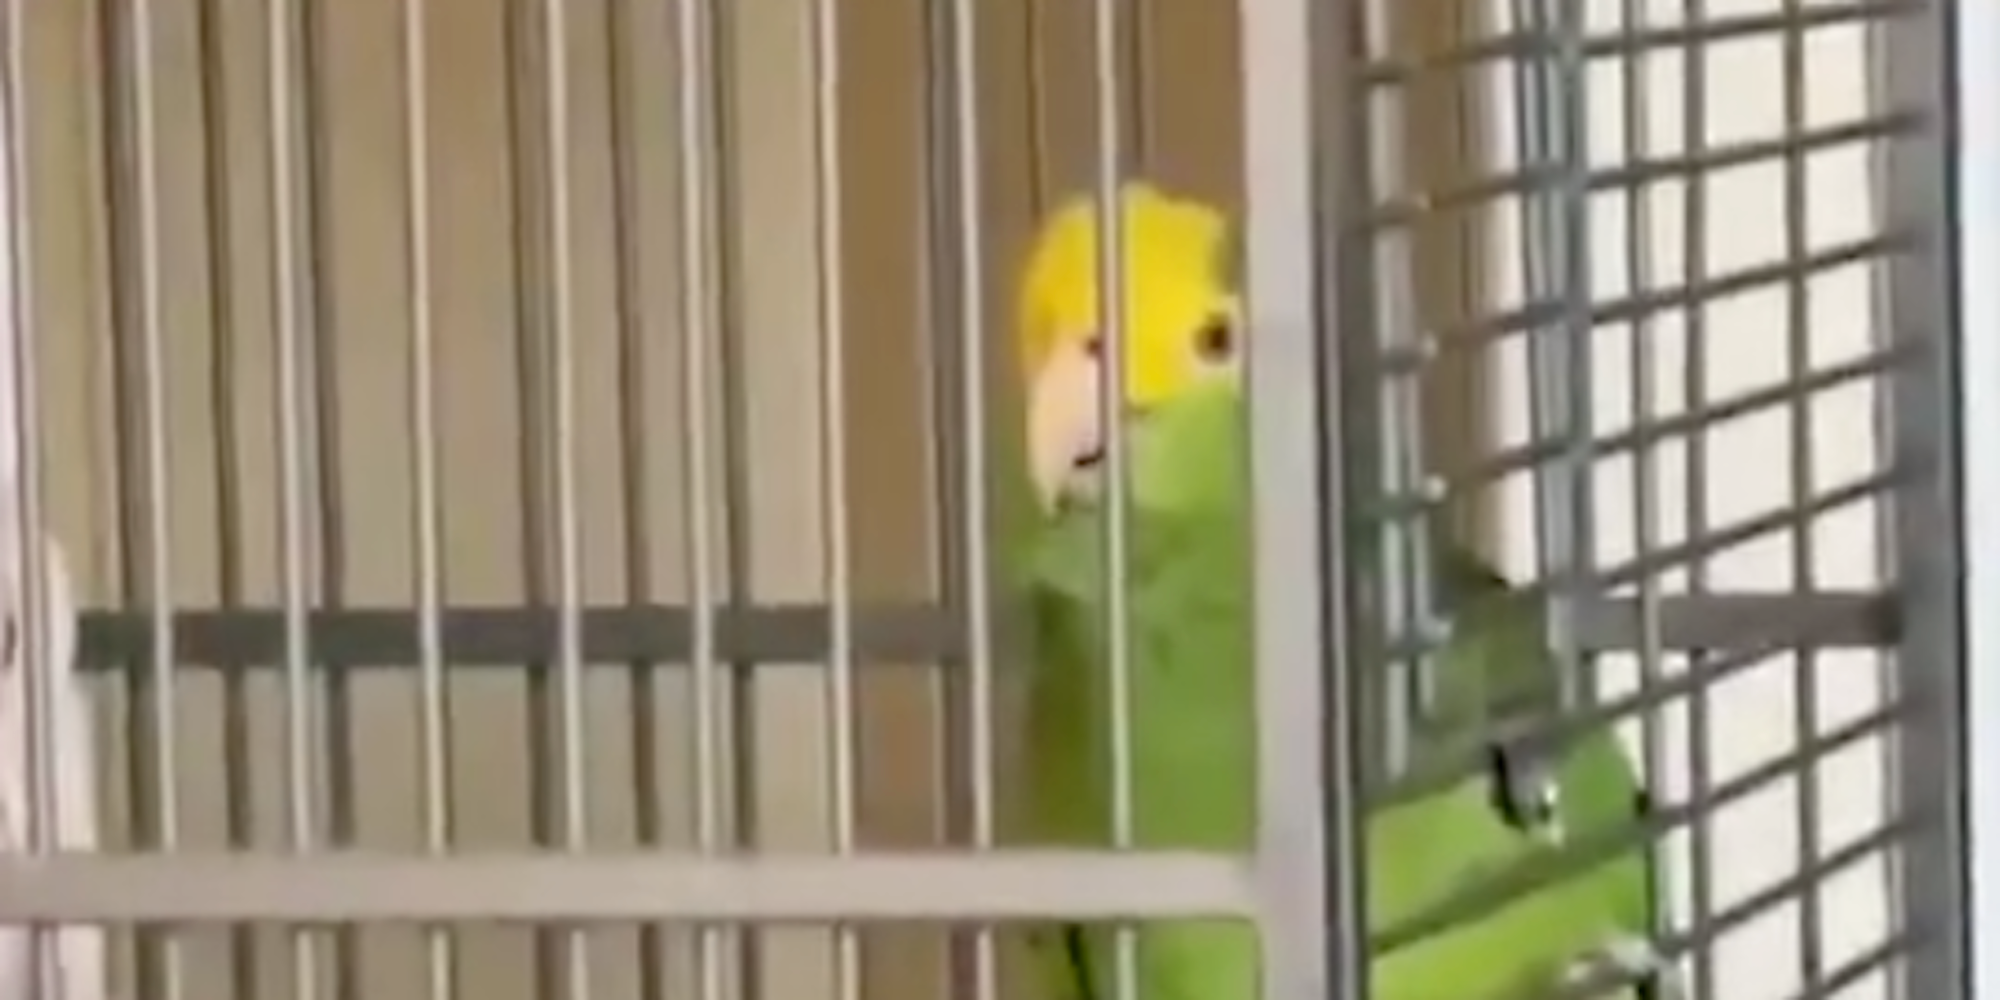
{"type": "Point", "coordinates": [1498, 675]}
{"type": "Point", "coordinates": [1193, 742]}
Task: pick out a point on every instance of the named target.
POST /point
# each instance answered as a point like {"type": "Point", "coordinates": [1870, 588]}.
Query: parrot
{"type": "Point", "coordinates": [1192, 728]}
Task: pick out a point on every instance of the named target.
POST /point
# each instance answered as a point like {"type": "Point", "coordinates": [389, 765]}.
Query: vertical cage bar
{"type": "Point", "coordinates": [836, 523]}
{"type": "Point", "coordinates": [635, 455]}
{"type": "Point", "coordinates": [1798, 356]}
{"type": "Point", "coordinates": [1551, 109]}
{"type": "Point", "coordinates": [21, 457]}
{"type": "Point", "coordinates": [1297, 99]}
{"type": "Point", "coordinates": [121, 180]}
{"type": "Point", "coordinates": [1572, 368]}
{"type": "Point", "coordinates": [333, 682]}
{"type": "Point", "coordinates": [740, 685]}
{"type": "Point", "coordinates": [158, 479]}
{"type": "Point", "coordinates": [21, 445]}
{"type": "Point", "coordinates": [956, 312]}
{"type": "Point", "coordinates": [1694, 398]}
{"type": "Point", "coordinates": [433, 708]}
{"type": "Point", "coordinates": [1402, 544]}
{"type": "Point", "coordinates": [982, 762]}
{"type": "Point", "coordinates": [1912, 63]}
{"type": "Point", "coordinates": [1974, 61]}
{"type": "Point", "coordinates": [955, 378]}
{"type": "Point", "coordinates": [1642, 275]}
{"type": "Point", "coordinates": [526, 162]}
{"type": "Point", "coordinates": [702, 270]}
{"type": "Point", "coordinates": [1350, 323]}
{"type": "Point", "coordinates": [560, 331]}
{"type": "Point", "coordinates": [1135, 41]}
{"type": "Point", "coordinates": [225, 416]}
{"type": "Point", "coordinates": [289, 260]}
{"type": "Point", "coordinates": [1108, 173]}
{"type": "Point", "coordinates": [1036, 96]}
{"type": "Point", "coordinates": [740, 682]}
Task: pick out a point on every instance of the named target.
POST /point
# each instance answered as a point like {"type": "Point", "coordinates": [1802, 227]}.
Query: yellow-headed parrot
{"type": "Point", "coordinates": [1192, 729]}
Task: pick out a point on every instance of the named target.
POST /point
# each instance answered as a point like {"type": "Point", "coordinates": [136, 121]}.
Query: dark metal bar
{"type": "Point", "coordinates": [1804, 472]}
{"type": "Point", "coordinates": [741, 753]}
{"type": "Point", "coordinates": [526, 103]}
{"type": "Point", "coordinates": [1705, 31]}
{"type": "Point", "coordinates": [635, 454]}
{"type": "Point", "coordinates": [1403, 550]}
{"type": "Point", "coordinates": [226, 335]}
{"type": "Point", "coordinates": [1710, 286]}
{"type": "Point", "coordinates": [1915, 298]}
{"type": "Point", "coordinates": [946, 290]}
{"type": "Point", "coordinates": [1822, 619]}
{"type": "Point", "coordinates": [1633, 174]}
{"type": "Point", "coordinates": [1682, 424]}
{"type": "Point", "coordinates": [1642, 270]}
{"type": "Point", "coordinates": [334, 697]}
{"type": "Point", "coordinates": [766, 636]}
{"type": "Point", "coordinates": [1695, 462]}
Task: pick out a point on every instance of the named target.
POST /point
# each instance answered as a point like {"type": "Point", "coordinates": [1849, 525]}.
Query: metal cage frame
{"type": "Point", "coordinates": [1305, 85]}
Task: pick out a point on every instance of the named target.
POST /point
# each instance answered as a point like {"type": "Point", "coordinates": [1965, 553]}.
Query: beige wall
{"type": "Point", "coordinates": [1190, 139]}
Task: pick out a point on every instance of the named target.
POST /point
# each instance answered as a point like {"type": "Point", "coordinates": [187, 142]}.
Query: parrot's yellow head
{"type": "Point", "coordinates": [1182, 324]}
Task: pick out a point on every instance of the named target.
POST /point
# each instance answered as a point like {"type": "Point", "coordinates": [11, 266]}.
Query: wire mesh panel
{"type": "Point", "coordinates": [1711, 309]}
{"type": "Point", "coordinates": [650, 498]}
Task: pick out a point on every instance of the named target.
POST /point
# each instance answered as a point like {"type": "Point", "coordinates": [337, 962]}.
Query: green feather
{"type": "Point", "coordinates": [1193, 741]}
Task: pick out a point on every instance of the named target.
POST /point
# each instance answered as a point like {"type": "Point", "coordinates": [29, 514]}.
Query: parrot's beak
{"type": "Point", "coordinates": [1066, 438]}
{"type": "Point", "coordinates": [1065, 444]}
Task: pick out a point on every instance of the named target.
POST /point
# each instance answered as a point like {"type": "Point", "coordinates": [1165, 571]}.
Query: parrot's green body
{"type": "Point", "coordinates": [1193, 739]}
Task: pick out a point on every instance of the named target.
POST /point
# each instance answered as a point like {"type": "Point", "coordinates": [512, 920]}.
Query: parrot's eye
{"type": "Point", "coordinates": [1093, 347]}
{"type": "Point", "coordinates": [1215, 342]}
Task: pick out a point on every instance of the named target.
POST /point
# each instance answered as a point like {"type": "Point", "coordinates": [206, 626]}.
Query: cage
{"type": "Point", "coordinates": [625, 388]}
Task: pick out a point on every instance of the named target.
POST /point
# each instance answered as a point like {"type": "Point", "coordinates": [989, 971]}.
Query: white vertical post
{"type": "Point", "coordinates": [47, 651]}
{"type": "Point", "coordinates": [79, 951]}
{"type": "Point", "coordinates": [1978, 334]}
{"type": "Point", "coordinates": [1296, 104]}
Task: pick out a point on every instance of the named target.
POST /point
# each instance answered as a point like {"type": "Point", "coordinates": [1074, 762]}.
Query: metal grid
{"type": "Point", "coordinates": [1670, 376]}
{"type": "Point", "coordinates": [1606, 254]}
{"type": "Point", "coordinates": [1666, 201]}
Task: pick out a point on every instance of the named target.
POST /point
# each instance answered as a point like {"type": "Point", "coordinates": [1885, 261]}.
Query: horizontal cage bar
{"type": "Point", "coordinates": [624, 887]}
{"type": "Point", "coordinates": [508, 636]}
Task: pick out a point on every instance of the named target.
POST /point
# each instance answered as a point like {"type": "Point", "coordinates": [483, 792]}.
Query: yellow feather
{"type": "Point", "coordinates": [1175, 284]}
